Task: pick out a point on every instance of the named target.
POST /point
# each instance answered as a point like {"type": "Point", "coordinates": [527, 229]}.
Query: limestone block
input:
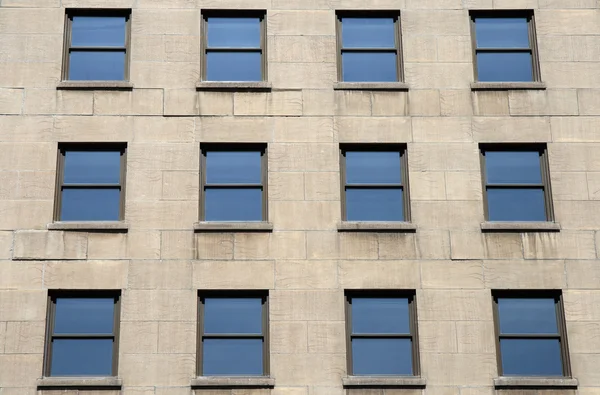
{"type": "Point", "coordinates": [290, 391]}
{"type": "Point", "coordinates": [321, 186]}
{"type": "Point", "coordinates": [301, 23]}
{"type": "Point", "coordinates": [326, 337]}
{"type": "Point", "coordinates": [555, 48]}
{"type": "Point", "coordinates": [25, 75]}
{"type": "Point", "coordinates": [397, 246]}
{"type": "Point", "coordinates": [584, 337]}
{"type": "Point", "coordinates": [569, 75]}
{"type": "Point", "coordinates": [532, 274]}
{"type": "Point", "coordinates": [419, 48]}
{"type": "Point", "coordinates": [442, 129]}
{"type": "Point", "coordinates": [92, 129]}
{"type": "Point", "coordinates": [133, 245]}
{"type": "Point", "coordinates": [25, 337]}
{"type": "Point", "coordinates": [18, 369]}
{"type": "Point", "coordinates": [148, 47]}
{"type": "Point", "coordinates": [235, 129]}
{"type": "Point", "coordinates": [574, 157]}
{"type": "Point", "coordinates": [2, 335]}
{"type": "Point", "coordinates": [306, 274]}
{"type": "Point", "coordinates": [563, 245]}
{"type": "Point", "coordinates": [138, 337]}
{"type": "Point", "coordinates": [567, 22]}
{"type": "Point", "coordinates": [58, 102]}
{"type": "Point", "coordinates": [326, 390]}
{"type": "Point", "coordinates": [177, 337]}
{"type": "Point", "coordinates": [287, 186]}
{"type": "Point", "coordinates": [475, 245]}
{"type": "Point", "coordinates": [579, 215]}
{"type": "Point", "coordinates": [302, 75]}
{"type": "Point", "coordinates": [136, 102]}
{"type": "Point", "coordinates": [26, 128]}
{"type": "Point", "coordinates": [166, 21]}
{"type": "Point", "coordinates": [318, 102]}
{"type": "Point", "coordinates": [371, 129]}
{"type": "Point", "coordinates": [582, 274]}
{"type": "Point", "coordinates": [86, 275]}
{"type": "Point", "coordinates": [304, 215]}
{"type": "Point", "coordinates": [31, 20]}
{"type": "Point", "coordinates": [215, 103]}
{"type": "Point", "coordinates": [35, 185]}
{"type": "Point", "coordinates": [437, 337]}
{"type": "Point", "coordinates": [447, 214]}
{"type": "Point", "coordinates": [352, 103]}
{"type": "Point", "coordinates": [98, 3]}
{"type": "Point", "coordinates": [433, 244]}
{"type": "Point", "coordinates": [323, 369]}
{"type": "Point", "coordinates": [24, 214]}
{"type": "Point", "coordinates": [288, 337]}
{"type": "Point", "coordinates": [11, 101]}
{"type": "Point", "coordinates": [490, 103]}
{"type": "Point", "coordinates": [301, 5]}
{"type": "Point", "coordinates": [446, 22]}
{"type": "Point", "coordinates": [465, 185]}
{"type": "Point", "coordinates": [440, 75]}
{"type": "Point", "coordinates": [177, 245]}
{"type": "Point", "coordinates": [389, 104]}
{"type": "Point", "coordinates": [160, 74]}
{"type": "Point", "coordinates": [163, 130]}
{"type": "Point", "coordinates": [583, 367]}
{"type": "Point", "coordinates": [285, 103]}
{"type": "Point", "coordinates": [300, 49]}
{"type": "Point", "coordinates": [424, 102]}
{"type": "Point", "coordinates": [433, 4]}
{"type": "Point", "coordinates": [455, 103]}
{"type": "Point", "coordinates": [233, 275]}
{"type": "Point", "coordinates": [277, 245]}
{"type": "Point", "coordinates": [180, 185]}
{"type": "Point", "coordinates": [41, 245]}
{"type": "Point", "coordinates": [454, 305]}
{"type": "Point", "coordinates": [584, 48]}
{"type": "Point", "coordinates": [19, 305]}
{"type": "Point", "coordinates": [183, 390]}
{"type": "Point", "coordinates": [303, 130]}
{"type": "Point", "coordinates": [9, 184]}
{"type": "Point", "coordinates": [581, 305]}
{"type": "Point", "coordinates": [454, 49]}
{"type": "Point", "coordinates": [159, 305]}
{"type": "Point", "coordinates": [572, 186]}
{"type": "Point", "coordinates": [312, 305]}
{"type": "Point", "coordinates": [443, 157]}
{"type": "Point", "coordinates": [160, 275]}
{"type": "Point", "coordinates": [31, 48]}
{"type": "Point", "coordinates": [550, 102]}
{"type": "Point", "coordinates": [574, 129]}
{"type": "Point", "coordinates": [452, 274]}
{"type": "Point", "coordinates": [184, 48]}
{"type": "Point", "coordinates": [333, 245]}
{"type": "Point", "coordinates": [507, 129]}
{"type": "Point", "coordinates": [214, 246]}
{"type": "Point", "coordinates": [162, 215]}
{"type": "Point", "coordinates": [476, 337]}
{"type": "Point", "coordinates": [20, 275]}
{"type": "Point", "coordinates": [28, 156]}
{"type": "Point", "coordinates": [459, 369]}
{"type": "Point", "coordinates": [179, 102]}
{"type": "Point", "coordinates": [364, 274]}
{"type": "Point", "coordinates": [159, 369]}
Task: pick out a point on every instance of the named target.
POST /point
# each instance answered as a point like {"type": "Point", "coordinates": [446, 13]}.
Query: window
{"type": "Point", "coordinates": [369, 46]}
{"type": "Point", "coordinates": [82, 334]}
{"type": "Point", "coordinates": [91, 180]}
{"type": "Point", "coordinates": [96, 45]}
{"type": "Point", "coordinates": [516, 183]}
{"type": "Point", "coordinates": [374, 183]}
{"type": "Point", "coordinates": [234, 182]}
{"type": "Point", "coordinates": [505, 46]}
{"type": "Point", "coordinates": [531, 334]}
{"type": "Point", "coordinates": [233, 334]}
{"type": "Point", "coordinates": [381, 333]}
{"type": "Point", "coordinates": [234, 46]}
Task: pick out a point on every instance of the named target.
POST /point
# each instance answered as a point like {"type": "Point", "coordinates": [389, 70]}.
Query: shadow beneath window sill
{"type": "Point", "coordinates": [507, 382]}
{"type": "Point", "coordinates": [377, 226]}
{"type": "Point", "coordinates": [220, 382]}
{"type": "Point", "coordinates": [90, 226]}
{"type": "Point", "coordinates": [505, 86]}
{"type": "Point", "coordinates": [96, 85]}
{"type": "Point", "coordinates": [88, 383]}
{"type": "Point", "coordinates": [384, 382]}
{"type": "Point", "coordinates": [520, 227]}
{"type": "Point", "coordinates": [210, 226]}
{"type": "Point", "coordinates": [217, 86]}
{"type": "Point", "coordinates": [370, 86]}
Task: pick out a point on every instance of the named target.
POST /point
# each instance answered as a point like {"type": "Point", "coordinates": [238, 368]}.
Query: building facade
{"type": "Point", "coordinates": [299, 197]}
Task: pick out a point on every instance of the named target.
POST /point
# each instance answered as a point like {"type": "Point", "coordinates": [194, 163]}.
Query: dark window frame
{"type": "Point", "coordinates": [91, 147]}
{"type": "Point", "coordinates": [533, 47]}
{"type": "Point", "coordinates": [560, 321]}
{"type": "Point", "coordinates": [241, 147]}
{"type": "Point", "coordinates": [98, 12]}
{"type": "Point", "coordinates": [224, 13]}
{"type": "Point", "coordinates": [51, 318]}
{"type": "Point", "coordinates": [384, 147]}
{"type": "Point", "coordinates": [542, 149]}
{"type": "Point", "coordinates": [412, 317]}
{"type": "Point", "coordinates": [395, 14]}
{"type": "Point", "coordinates": [224, 294]}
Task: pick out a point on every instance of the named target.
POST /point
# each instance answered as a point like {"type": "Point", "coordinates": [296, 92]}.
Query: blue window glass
{"type": "Point", "coordinates": [530, 339]}
{"type": "Point", "coordinates": [91, 187]}
{"type": "Point", "coordinates": [233, 336]}
{"type": "Point", "coordinates": [98, 48]}
{"type": "Point", "coordinates": [234, 49]}
{"type": "Point", "coordinates": [82, 336]}
{"type": "Point", "coordinates": [381, 335]}
{"type": "Point", "coordinates": [233, 185]}
{"type": "Point", "coordinates": [369, 49]}
{"type": "Point", "coordinates": [373, 184]}
{"type": "Point", "coordinates": [503, 49]}
{"type": "Point", "coordinates": [513, 167]}
{"type": "Point", "coordinates": [508, 204]}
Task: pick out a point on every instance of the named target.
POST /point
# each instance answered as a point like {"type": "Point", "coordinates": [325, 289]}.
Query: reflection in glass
{"type": "Point", "coordinates": [90, 204]}
{"type": "Point", "coordinates": [527, 315]}
{"type": "Point", "coordinates": [233, 204]}
{"type": "Point", "coordinates": [233, 32]}
{"type": "Point", "coordinates": [98, 31]}
{"type": "Point", "coordinates": [380, 315]}
{"type": "Point", "coordinates": [513, 167]}
{"type": "Point", "coordinates": [368, 33]}
{"type": "Point", "coordinates": [516, 204]}
{"type": "Point", "coordinates": [374, 204]}
{"type": "Point", "coordinates": [233, 315]}
{"type": "Point", "coordinates": [232, 357]}
{"type": "Point", "coordinates": [84, 315]}
{"type": "Point", "coordinates": [239, 167]}
{"type": "Point", "coordinates": [531, 357]}
{"type": "Point", "coordinates": [504, 67]}
{"type": "Point", "coordinates": [233, 66]}
{"type": "Point", "coordinates": [502, 32]}
{"type": "Point", "coordinates": [96, 65]}
{"type": "Point", "coordinates": [92, 167]}
{"type": "Point", "coordinates": [377, 167]}
{"type": "Point", "coordinates": [369, 67]}
{"type": "Point", "coordinates": [381, 356]}
{"type": "Point", "coordinates": [81, 357]}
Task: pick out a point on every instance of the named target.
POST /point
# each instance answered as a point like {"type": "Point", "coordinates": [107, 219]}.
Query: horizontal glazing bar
{"type": "Point", "coordinates": [503, 50]}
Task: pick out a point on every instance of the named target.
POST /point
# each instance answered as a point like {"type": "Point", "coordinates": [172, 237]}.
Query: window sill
{"type": "Point", "coordinates": [259, 86]}
{"type": "Point", "coordinates": [208, 382]}
{"type": "Point", "coordinates": [384, 381]}
{"type": "Point", "coordinates": [91, 226]}
{"type": "Point", "coordinates": [505, 86]}
{"type": "Point", "coordinates": [370, 86]}
{"type": "Point", "coordinates": [374, 226]}
{"type": "Point", "coordinates": [209, 226]}
{"type": "Point", "coordinates": [520, 227]}
{"type": "Point", "coordinates": [100, 383]}
{"type": "Point", "coordinates": [535, 382]}
{"type": "Point", "coordinates": [96, 85]}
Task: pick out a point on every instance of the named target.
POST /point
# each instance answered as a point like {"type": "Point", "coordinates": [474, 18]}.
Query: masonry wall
{"type": "Point", "coordinates": [305, 263]}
